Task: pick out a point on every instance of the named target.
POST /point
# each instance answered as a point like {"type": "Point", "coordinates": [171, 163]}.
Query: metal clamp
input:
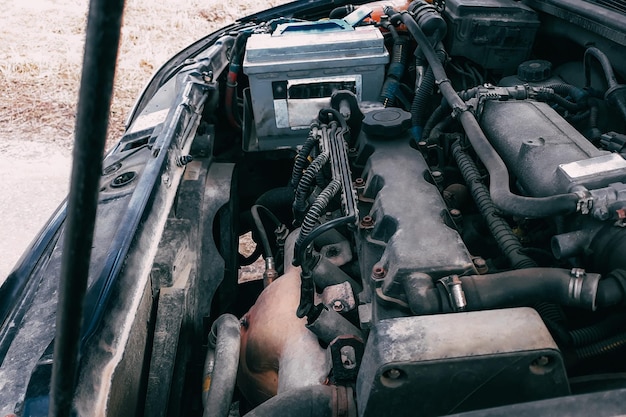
{"type": "Point", "coordinates": [585, 201]}
{"type": "Point", "coordinates": [454, 287]}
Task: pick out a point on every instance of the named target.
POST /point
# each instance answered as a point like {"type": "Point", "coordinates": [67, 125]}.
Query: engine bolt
{"type": "Point", "coordinates": [393, 373]}
{"type": "Point", "coordinates": [481, 265]}
{"type": "Point", "coordinates": [337, 306]}
{"type": "Point", "coordinates": [438, 177]}
{"type": "Point", "coordinates": [378, 272]}
{"type": "Point", "coordinates": [457, 218]}
{"type": "Point", "coordinates": [359, 182]}
{"type": "Point", "coordinates": [367, 222]}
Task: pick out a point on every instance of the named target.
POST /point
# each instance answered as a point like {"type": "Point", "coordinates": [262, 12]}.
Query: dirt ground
{"type": "Point", "coordinates": [40, 61]}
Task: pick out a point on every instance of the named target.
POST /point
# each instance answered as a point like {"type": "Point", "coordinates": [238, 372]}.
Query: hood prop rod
{"type": "Point", "coordinates": [94, 101]}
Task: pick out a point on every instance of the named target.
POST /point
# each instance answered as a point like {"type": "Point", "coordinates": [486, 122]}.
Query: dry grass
{"type": "Point", "coordinates": [42, 48]}
{"type": "Point", "coordinates": [41, 57]}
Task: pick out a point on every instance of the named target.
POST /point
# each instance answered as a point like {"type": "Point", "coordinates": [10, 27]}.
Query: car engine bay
{"type": "Point", "coordinates": [449, 238]}
{"type": "Point", "coordinates": [437, 194]}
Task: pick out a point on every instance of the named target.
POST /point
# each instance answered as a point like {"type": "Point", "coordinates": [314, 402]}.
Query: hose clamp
{"type": "Point", "coordinates": [585, 201]}
{"type": "Point", "coordinates": [454, 288]}
{"type": "Point", "coordinates": [583, 288]}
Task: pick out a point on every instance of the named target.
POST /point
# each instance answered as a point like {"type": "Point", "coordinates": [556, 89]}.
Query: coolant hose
{"type": "Point", "coordinates": [616, 93]}
{"type": "Point", "coordinates": [220, 367]}
{"type": "Point", "coordinates": [315, 401]}
{"type": "Point", "coordinates": [502, 196]}
{"type": "Point", "coordinates": [522, 287]}
{"type": "Point", "coordinates": [499, 228]}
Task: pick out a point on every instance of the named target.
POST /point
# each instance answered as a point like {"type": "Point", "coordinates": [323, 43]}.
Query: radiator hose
{"type": "Point", "coordinates": [516, 288]}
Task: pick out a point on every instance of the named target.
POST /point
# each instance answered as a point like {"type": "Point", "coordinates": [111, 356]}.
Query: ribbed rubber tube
{"type": "Point", "coordinates": [317, 209]}
{"type": "Point", "coordinates": [499, 228]}
{"type": "Point", "coordinates": [599, 331]}
{"type": "Point", "coordinates": [305, 184]}
{"type": "Point", "coordinates": [301, 161]}
{"type": "Point", "coordinates": [503, 198]}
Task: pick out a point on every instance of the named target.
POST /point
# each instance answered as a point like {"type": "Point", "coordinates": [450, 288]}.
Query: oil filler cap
{"type": "Point", "coordinates": [534, 71]}
{"type": "Point", "coordinates": [388, 122]}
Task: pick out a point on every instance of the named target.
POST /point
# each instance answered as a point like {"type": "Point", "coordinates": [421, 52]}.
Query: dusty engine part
{"type": "Point", "coordinates": [548, 156]}
{"type": "Point", "coordinates": [454, 362]}
{"type": "Point", "coordinates": [278, 353]}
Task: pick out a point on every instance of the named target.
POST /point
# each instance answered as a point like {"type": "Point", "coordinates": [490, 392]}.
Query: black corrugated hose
{"type": "Point", "coordinates": [503, 198]}
{"type": "Point", "coordinates": [499, 228]}
{"type": "Point", "coordinates": [317, 209]}
{"type": "Point", "coordinates": [598, 331]}
{"type": "Point", "coordinates": [305, 184]}
{"type": "Point", "coordinates": [301, 161]}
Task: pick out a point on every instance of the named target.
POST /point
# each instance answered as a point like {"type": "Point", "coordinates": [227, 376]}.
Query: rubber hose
{"type": "Point", "coordinates": [564, 90]}
{"type": "Point", "coordinates": [439, 114]}
{"type": "Point", "coordinates": [601, 57]}
{"type": "Point", "coordinates": [599, 331]}
{"type": "Point", "coordinates": [551, 95]}
{"type": "Point", "coordinates": [616, 93]}
{"type": "Point", "coordinates": [606, 346]}
{"type": "Point", "coordinates": [607, 248]}
{"type": "Point", "coordinates": [499, 228]}
{"type": "Point", "coordinates": [420, 100]}
{"type": "Point", "coordinates": [258, 222]}
{"type": "Point", "coordinates": [315, 401]}
{"type": "Point", "coordinates": [221, 364]}
{"type": "Point", "coordinates": [520, 287]}
{"type": "Point", "coordinates": [503, 198]}
{"type": "Point", "coordinates": [278, 201]}
{"type": "Point", "coordinates": [593, 133]}
{"type": "Point", "coordinates": [613, 289]}
{"type": "Point", "coordinates": [341, 12]}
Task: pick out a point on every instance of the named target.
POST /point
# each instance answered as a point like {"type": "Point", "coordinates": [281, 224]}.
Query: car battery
{"type": "Point", "coordinates": [497, 34]}
{"type": "Point", "coordinates": [294, 71]}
